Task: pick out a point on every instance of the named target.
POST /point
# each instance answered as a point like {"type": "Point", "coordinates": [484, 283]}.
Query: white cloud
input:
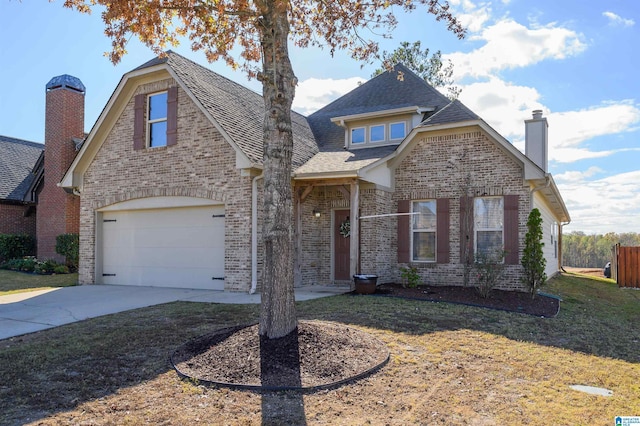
{"type": "Point", "coordinates": [576, 176]}
{"type": "Point", "coordinates": [617, 20]}
{"type": "Point", "coordinates": [611, 204]}
{"type": "Point", "coordinates": [471, 16]}
{"type": "Point", "coordinates": [510, 44]}
{"type": "Point", "coordinates": [314, 93]}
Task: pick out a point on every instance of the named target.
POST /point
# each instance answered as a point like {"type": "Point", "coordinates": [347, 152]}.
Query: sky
{"type": "Point", "coordinates": [576, 61]}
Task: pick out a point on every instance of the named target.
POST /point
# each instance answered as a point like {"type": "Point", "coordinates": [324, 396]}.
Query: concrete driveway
{"type": "Point", "coordinates": [28, 312]}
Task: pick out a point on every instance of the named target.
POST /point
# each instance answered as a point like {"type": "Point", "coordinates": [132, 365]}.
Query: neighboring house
{"type": "Point", "coordinates": [389, 175]}
{"type": "Point", "coordinates": [31, 201]}
{"type": "Point", "coordinates": [17, 158]}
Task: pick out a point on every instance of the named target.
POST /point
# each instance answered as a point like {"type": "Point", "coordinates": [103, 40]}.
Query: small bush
{"type": "Point", "coordinates": [13, 246]}
{"type": "Point", "coordinates": [68, 245]}
{"type": "Point", "coordinates": [410, 277]}
{"type": "Point", "coordinates": [490, 268]}
{"type": "Point", "coordinates": [32, 265]}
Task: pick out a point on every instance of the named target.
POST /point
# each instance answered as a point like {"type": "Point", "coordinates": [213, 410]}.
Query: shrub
{"type": "Point", "coordinates": [68, 245]}
{"type": "Point", "coordinates": [490, 267]}
{"type": "Point", "coordinates": [410, 277]}
{"type": "Point", "coordinates": [533, 260]}
{"type": "Point", "coordinates": [13, 246]}
{"type": "Point", "coordinates": [32, 265]}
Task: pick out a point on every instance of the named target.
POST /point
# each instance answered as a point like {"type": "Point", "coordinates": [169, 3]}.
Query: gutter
{"type": "Point", "coordinates": [539, 188]}
{"type": "Point", "coordinates": [254, 233]}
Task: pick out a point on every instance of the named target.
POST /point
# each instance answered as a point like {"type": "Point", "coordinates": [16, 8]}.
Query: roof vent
{"type": "Point", "coordinates": [66, 81]}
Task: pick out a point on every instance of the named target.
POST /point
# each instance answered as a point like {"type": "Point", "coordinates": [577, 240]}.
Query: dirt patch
{"type": "Point", "coordinates": [594, 272]}
{"type": "Point", "coordinates": [319, 355]}
{"type": "Point", "coordinates": [512, 301]}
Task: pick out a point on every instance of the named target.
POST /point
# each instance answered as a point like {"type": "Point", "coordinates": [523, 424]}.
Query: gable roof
{"type": "Point", "coordinates": [453, 112]}
{"type": "Point", "coordinates": [237, 109]}
{"type": "Point", "coordinates": [393, 89]}
{"type": "Point", "coordinates": [17, 158]}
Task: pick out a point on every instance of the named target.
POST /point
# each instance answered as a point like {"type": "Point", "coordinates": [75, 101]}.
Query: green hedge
{"type": "Point", "coordinates": [14, 246]}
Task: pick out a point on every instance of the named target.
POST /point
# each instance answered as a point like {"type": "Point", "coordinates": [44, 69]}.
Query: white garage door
{"type": "Point", "coordinates": [172, 247]}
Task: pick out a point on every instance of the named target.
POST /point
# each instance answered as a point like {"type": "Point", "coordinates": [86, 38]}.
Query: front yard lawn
{"type": "Point", "coordinates": [14, 282]}
{"type": "Point", "coordinates": [450, 364]}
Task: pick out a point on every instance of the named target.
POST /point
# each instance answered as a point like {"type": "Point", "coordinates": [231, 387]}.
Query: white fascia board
{"type": "Point", "coordinates": [325, 175]}
{"type": "Point", "coordinates": [382, 113]}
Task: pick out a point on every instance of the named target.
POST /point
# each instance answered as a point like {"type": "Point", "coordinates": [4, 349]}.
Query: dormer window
{"type": "Point", "coordinates": [377, 133]}
{"type": "Point", "coordinates": [357, 135]}
{"type": "Point", "coordinates": [379, 128]}
{"type": "Point", "coordinates": [397, 131]}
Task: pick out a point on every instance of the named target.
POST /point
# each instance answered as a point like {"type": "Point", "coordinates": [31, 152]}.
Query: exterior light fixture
{"type": "Point", "coordinates": [316, 213]}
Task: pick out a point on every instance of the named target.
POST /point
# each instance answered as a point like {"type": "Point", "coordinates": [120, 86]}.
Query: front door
{"type": "Point", "coordinates": [341, 245]}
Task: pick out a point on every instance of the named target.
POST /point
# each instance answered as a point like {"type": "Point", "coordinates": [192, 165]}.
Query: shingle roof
{"type": "Point", "coordinates": [454, 112]}
{"type": "Point", "coordinates": [237, 109]}
{"type": "Point", "coordinates": [385, 91]}
{"type": "Point", "coordinates": [17, 158]}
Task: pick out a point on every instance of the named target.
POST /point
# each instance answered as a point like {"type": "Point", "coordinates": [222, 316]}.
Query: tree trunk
{"type": "Point", "coordinates": [277, 316]}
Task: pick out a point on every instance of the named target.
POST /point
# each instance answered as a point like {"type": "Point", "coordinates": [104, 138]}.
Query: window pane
{"type": "Point", "coordinates": [427, 217]}
{"type": "Point", "coordinates": [397, 131]}
{"type": "Point", "coordinates": [357, 135]}
{"type": "Point", "coordinates": [424, 246]}
{"type": "Point", "coordinates": [488, 212]}
{"type": "Point", "coordinates": [158, 106]}
{"type": "Point", "coordinates": [377, 133]}
{"type": "Point", "coordinates": [158, 134]}
{"type": "Point", "coordinates": [489, 242]}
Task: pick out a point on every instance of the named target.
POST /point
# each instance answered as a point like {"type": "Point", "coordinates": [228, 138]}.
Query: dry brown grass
{"type": "Point", "coordinates": [449, 365]}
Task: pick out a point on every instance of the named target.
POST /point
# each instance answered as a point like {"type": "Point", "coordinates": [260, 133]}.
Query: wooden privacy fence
{"type": "Point", "coordinates": [625, 267]}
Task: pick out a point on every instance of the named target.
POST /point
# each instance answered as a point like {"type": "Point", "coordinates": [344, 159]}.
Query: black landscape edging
{"type": "Point", "coordinates": [474, 305]}
{"type": "Point", "coordinates": [260, 388]}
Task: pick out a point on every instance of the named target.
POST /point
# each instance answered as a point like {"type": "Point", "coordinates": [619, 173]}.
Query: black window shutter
{"type": "Point", "coordinates": [511, 240]}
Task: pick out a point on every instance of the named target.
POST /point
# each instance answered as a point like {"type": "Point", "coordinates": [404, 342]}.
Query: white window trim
{"type": "Point", "coordinates": [476, 229]}
{"type": "Point", "coordinates": [157, 120]}
{"type": "Point", "coordinates": [367, 134]}
{"type": "Point", "coordinates": [384, 134]}
{"type": "Point", "coordinates": [434, 230]}
{"type": "Point", "coordinates": [364, 142]}
{"type": "Point", "coordinates": [404, 125]}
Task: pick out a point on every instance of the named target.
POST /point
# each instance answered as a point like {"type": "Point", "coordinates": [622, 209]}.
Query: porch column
{"type": "Point", "coordinates": [354, 254]}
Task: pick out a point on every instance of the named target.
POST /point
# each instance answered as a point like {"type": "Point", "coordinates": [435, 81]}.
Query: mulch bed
{"type": "Point", "coordinates": [320, 355]}
{"type": "Point", "coordinates": [512, 301]}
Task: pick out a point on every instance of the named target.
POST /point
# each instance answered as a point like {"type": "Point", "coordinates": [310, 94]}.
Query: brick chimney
{"type": "Point", "coordinates": [58, 212]}
{"type": "Point", "coordinates": [536, 140]}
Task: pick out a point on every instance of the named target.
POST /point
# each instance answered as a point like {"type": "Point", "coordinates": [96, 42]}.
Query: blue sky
{"type": "Point", "coordinates": [577, 63]}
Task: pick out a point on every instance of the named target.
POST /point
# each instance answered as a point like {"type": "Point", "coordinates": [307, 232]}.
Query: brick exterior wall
{"type": "Point", "coordinates": [58, 211]}
{"type": "Point", "coordinates": [14, 221]}
{"type": "Point", "coordinates": [201, 164]}
{"type": "Point", "coordinates": [438, 167]}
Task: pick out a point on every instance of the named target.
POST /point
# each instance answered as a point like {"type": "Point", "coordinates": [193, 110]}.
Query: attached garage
{"type": "Point", "coordinates": [162, 242]}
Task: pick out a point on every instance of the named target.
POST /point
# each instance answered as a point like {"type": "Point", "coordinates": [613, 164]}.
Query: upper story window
{"type": "Point", "coordinates": [423, 231]}
{"type": "Point", "coordinates": [488, 215]}
{"type": "Point", "coordinates": [358, 135]}
{"type": "Point", "coordinates": [378, 133]}
{"type": "Point", "coordinates": [157, 120]}
{"type": "Point", "coordinates": [397, 130]}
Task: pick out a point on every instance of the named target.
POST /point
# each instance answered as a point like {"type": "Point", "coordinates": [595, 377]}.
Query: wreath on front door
{"type": "Point", "coordinates": [345, 228]}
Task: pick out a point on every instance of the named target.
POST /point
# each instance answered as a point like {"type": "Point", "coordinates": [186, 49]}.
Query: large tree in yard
{"type": "Point", "coordinates": [254, 34]}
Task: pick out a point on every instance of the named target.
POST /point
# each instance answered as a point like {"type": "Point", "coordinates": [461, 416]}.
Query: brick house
{"type": "Point", "coordinates": [31, 202]}
{"type": "Point", "coordinates": [389, 175]}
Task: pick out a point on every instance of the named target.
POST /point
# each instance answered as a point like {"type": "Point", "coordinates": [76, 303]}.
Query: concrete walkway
{"type": "Point", "coordinates": [23, 313]}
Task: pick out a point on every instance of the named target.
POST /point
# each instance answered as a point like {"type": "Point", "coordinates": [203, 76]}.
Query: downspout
{"type": "Point", "coordinates": [539, 188]}
{"type": "Point", "coordinates": [254, 233]}
{"type": "Point", "coordinates": [561, 253]}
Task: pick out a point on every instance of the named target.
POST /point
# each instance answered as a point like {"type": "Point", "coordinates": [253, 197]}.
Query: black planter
{"type": "Point", "coordinates": [365, 284]}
